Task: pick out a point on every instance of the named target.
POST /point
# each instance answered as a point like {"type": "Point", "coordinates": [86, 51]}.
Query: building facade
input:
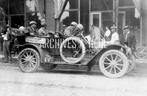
{"type": "Point", "coordinates": [100, 13]}
{"type": "Point", "coordinates": [103, 13]}
{"type": "Point", "coordinates": [21, 12]}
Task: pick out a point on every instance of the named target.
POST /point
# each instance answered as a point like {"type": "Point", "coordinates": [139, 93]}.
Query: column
{"type": "Point", "coordinates": [115, 11]}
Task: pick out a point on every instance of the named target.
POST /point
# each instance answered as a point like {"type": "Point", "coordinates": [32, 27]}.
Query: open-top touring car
{"type": "Point", "coordinates": [52, 50]}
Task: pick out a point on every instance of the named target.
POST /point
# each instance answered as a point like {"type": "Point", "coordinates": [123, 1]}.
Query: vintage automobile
{"type": "Point", "coordinates": [52, 50]}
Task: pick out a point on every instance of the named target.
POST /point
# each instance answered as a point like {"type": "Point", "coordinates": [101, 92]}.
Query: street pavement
{"type": "Point", "coordinates": [74, 81]}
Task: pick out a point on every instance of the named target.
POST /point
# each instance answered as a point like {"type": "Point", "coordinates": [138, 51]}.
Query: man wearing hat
{"type": "Point", "coordinates": [69, 30]}
{"type": "Point", "coordinates": [129, 38]}
{"type": "Point", "coordinates": [42, 31]}
{"type": "Point", "coordinates": [32, 30]}
{"type": "Point", "coordinates": [115, 36]}
{"type": "Point", "coordinates": [6, 44]}
{"type": "Point", "coordinates": [78, 30]}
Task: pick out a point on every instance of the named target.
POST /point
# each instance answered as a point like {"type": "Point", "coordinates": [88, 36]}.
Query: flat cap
{"type": "Point", "coordinates": [80, 26]}
{"type": "Point", "coordinates": [113, 27]}
{"type": "Point", "coordinates": [126, 27]}
{"type": "Point", "coordinates": [73, 23]}
{"type": "Point", "coordinates": [33, 22]}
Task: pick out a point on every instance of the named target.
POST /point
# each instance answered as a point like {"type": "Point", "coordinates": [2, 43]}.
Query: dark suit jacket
{"type": "Point", "coordinates": [131, 40]}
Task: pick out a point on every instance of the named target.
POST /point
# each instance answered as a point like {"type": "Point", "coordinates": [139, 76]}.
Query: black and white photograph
{"type": "Point", "coordinates": [73, 47]}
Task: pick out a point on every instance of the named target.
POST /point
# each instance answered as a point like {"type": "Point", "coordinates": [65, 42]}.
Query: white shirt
{"type": "Point", "coordinates": [114, 38]}
{"type": "Point", "coordinates": [108, 32]}
{"type": "Point", "coordinates": [42, 31]}
{"type": "Point", "coordinates": [88, 38]}
{"type": "Point", "coordinates": [5, 37]}
{"type": "Point", "coordinates": [126, 36]}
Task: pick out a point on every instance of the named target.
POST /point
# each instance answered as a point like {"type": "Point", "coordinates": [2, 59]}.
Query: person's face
{"type": "Point", "coordinates": [107, 28]}
{"type": "Point", "coordinates": [112, 30]}
{"type": "Point", "coordinates": [73, 26]}
{"type": "Point", "coordinates": [126, 30]}
{"type": "Point", "coordinates": [43, 27]}
{"type": "Point", "coordinates": [8, 30]}
{"type": "Point", "coordinates": [34, 25]}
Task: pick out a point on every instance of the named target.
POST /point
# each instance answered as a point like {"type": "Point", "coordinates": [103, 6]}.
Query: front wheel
{"type": "Point", "coordinates": [29, 60]}
{"type": "Point", "coordinates": [113, 64]}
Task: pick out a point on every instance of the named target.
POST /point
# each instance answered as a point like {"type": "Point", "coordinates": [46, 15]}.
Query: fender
{"type": "Point", "coordinates": [108, 47]}
{"type": "Point", "coordinates": [34, 46]}
{"type": "Point", "coordinates": [114, 46]}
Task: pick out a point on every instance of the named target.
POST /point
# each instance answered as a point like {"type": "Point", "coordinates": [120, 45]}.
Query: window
{"type": "Point", "coordinates": [4, 5]}
{"type": "Point", "coordinates": [107, 19]}
{"type": "Point", "coordinates": [16, 7]}
{"type": "Point", "coordinates": [32, 11]}
{"type": "Point", "coordinates": [101, 5]}
{"type": "Point", "coordinates": [126, 3]}
{"type": "Point", "coordinates": [71, 12]}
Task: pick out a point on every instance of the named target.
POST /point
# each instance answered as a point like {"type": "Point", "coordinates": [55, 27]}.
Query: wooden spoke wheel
{"type": "Point", "coordinates": [113, 63]}
{"type": "Point", "coordinates": [72, 55]}
{"type": "Point", "coordinates": [29, 60]}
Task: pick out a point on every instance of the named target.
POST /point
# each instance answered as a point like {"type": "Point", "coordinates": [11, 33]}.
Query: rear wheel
{"type": "Point", "coordinates": [113, 63]}
{"type": "Point", "coordinates": [29, 60]}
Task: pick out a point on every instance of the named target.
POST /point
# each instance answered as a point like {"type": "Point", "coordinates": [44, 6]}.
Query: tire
{"type": "Point", "coordinates": [77, 59]}
{"type": "Point", "coordinates": [115, 67]}
{"type": "Point", "coordinates": [29, 60]}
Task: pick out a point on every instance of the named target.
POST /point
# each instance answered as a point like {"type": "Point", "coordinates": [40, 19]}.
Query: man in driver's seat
{"type": "Point", "coordinates": [32, 29]}
{"type": "Point", "coordinates": [69, 30]}
{"type": "Point", "coordinates": [43, 31]}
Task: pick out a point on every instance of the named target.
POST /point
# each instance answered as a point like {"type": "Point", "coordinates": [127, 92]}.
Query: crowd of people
{"type": "Point", "coordinates": [8, 33]}
{"type": "Point", "coordinates": [111, 35]}
{"type": "Point", "coordinates": [127, 38]}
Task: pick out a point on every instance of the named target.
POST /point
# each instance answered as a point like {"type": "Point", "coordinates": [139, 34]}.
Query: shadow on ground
{"type": "Point", "coordinates": [139, 71]}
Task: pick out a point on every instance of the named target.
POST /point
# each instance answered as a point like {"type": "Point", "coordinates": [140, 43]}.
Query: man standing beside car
{"type": "Point", "coordinates": [129, 39]}
{"type": "Point", "coordinates": [6, 44]}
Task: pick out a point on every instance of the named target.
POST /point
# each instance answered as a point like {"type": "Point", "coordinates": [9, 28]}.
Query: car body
{"type": "Point", "coordinates": [48, 52]}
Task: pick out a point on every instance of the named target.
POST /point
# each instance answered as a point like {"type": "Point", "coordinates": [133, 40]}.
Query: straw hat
{"type": "Point", "coordinates": [33, 22]}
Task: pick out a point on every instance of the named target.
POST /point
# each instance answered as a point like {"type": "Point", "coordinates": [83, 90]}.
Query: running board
{"type": "Point", "coordinates": [82, 62]}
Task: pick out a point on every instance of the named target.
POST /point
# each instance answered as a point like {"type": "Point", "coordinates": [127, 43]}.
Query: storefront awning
{"type": "Point", "coordinates": [2, 14]}
{"type": "Point", "coordinates": [59, 7]}
{"type": "Point", "coordinates": [137, 4]}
